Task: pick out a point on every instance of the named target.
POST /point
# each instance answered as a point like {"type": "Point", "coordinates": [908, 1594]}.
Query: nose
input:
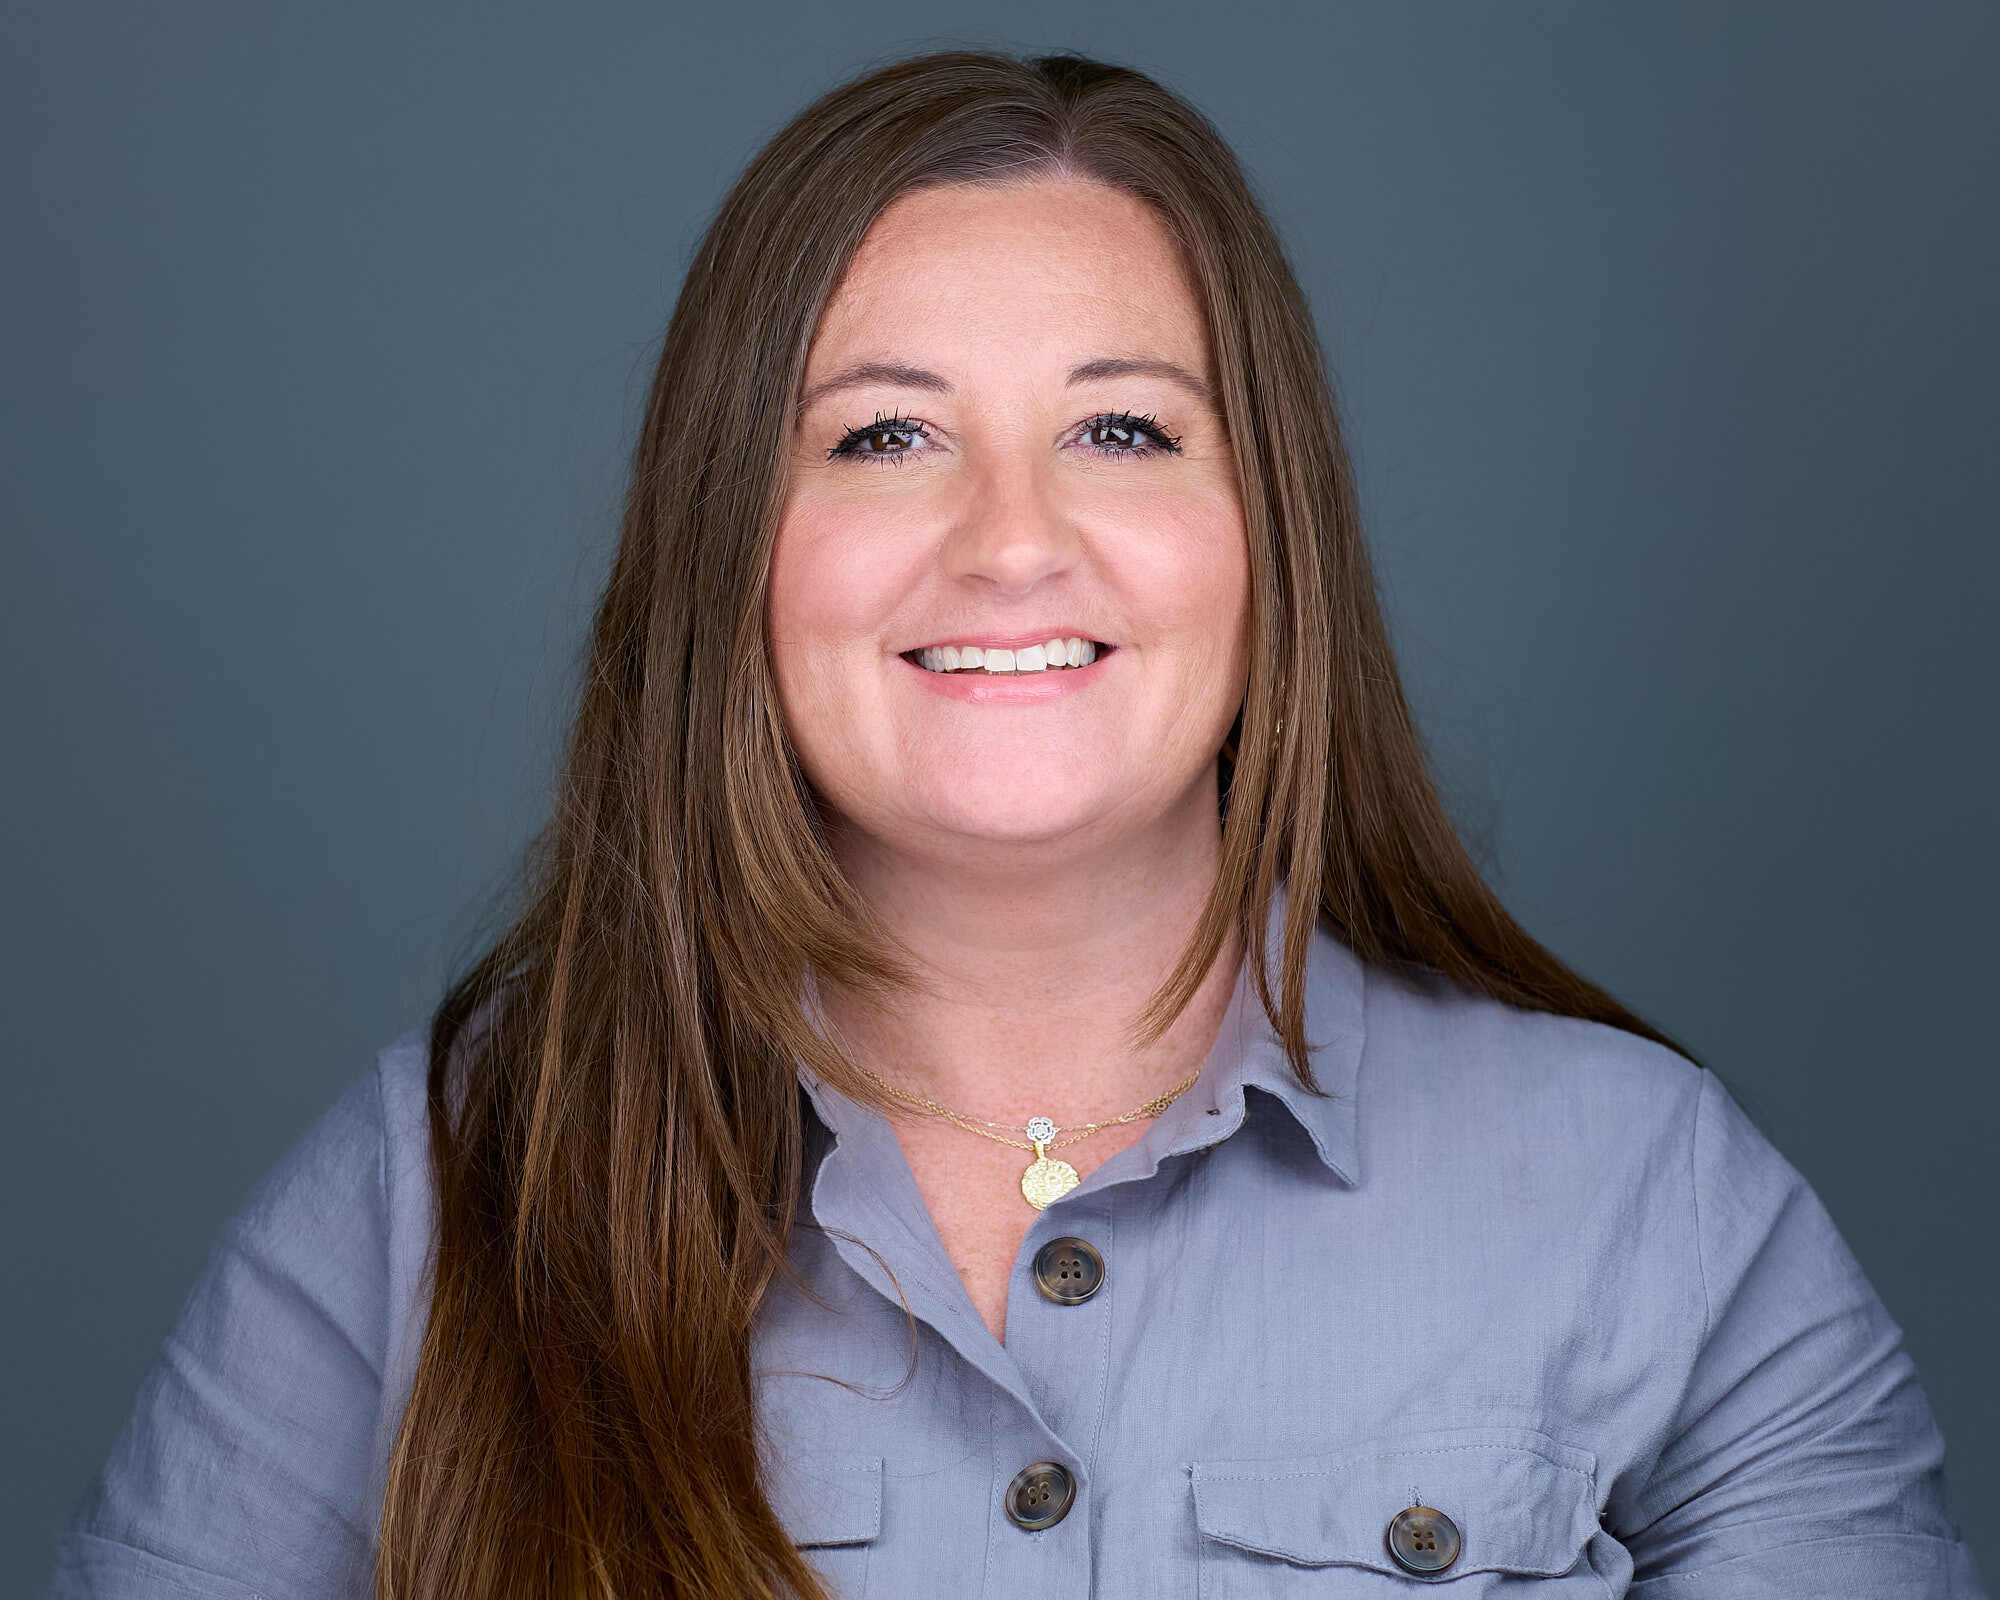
{"type": "Point", "coordinates": [1012, 532]}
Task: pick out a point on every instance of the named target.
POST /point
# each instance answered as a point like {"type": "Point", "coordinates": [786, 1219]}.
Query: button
{"type": "Point", "coordinates": [1423, 1539]}
{"type": "Point", "coordinates": [1040, 1495]}
{"type": "Point", "coordinates": [1068, 1271]}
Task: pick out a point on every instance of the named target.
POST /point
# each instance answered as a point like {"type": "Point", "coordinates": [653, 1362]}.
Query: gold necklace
{"type": "Point", "coordinates": [1044, 1178]}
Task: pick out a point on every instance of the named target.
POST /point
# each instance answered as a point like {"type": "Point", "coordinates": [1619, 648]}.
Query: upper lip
{"type": "Point", "coordinates": [1005, 641]}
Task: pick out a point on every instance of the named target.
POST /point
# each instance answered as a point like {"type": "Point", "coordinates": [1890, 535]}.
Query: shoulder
{"type": "Point", "coordinates": [281, 1377]}
{"type": "Point", "coordinates": [1519, 1081]}
{"type": "Point", "coordinates": [1558, 1127]}
{"type": "Point", "coordinates": [401, 1078]}
{"type": "Point", "coordinates": [400, 1082]}
{"type": "Point", "coordinates": [334, 1233]}
{"type": "Point", "coordinates": [350, 1179]}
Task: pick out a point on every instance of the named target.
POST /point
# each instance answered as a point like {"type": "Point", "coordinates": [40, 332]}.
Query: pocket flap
{"type": "Point", "coordinates": [827, 1498]}
{"type": "Point", "coordinates": [1522, 1502]}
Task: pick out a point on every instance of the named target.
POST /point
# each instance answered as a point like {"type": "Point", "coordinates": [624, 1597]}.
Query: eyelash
{"type": "Point", "coordinates": [1163, 442]}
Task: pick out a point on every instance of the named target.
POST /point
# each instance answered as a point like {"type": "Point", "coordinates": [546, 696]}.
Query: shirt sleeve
{"type": "Point", "coordinates": [1804, 1458]}
{"type": "Point", "coordinates": [245, 1466]}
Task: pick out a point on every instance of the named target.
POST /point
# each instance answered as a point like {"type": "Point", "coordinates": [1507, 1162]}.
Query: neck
{"type": "Point", "coordinates": [1033, 970]}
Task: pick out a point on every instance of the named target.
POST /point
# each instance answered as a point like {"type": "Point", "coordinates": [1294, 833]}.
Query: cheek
{"type": "Point", "coordinates": [1210, 589]}
{"type": "Point", "coordinates": [799, 616]}
{"type": "Point", "coordinates": [828, 593]}
{"type": "Point", "coordinates": [1195, 582]}
{"type": "Point", "coordinates": [802, 565]}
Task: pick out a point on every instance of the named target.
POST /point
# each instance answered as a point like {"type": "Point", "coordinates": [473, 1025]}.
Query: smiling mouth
{"type": "Point", "coordinates": [1055, 655]}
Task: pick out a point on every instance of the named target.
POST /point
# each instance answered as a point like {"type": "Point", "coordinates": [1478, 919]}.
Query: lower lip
{"type": "Point", "coordinates": [1011, 688]}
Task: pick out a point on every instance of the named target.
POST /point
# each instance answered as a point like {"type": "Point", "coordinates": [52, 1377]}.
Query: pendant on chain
{"type": "Point", "coordinates": [1045, 1177]}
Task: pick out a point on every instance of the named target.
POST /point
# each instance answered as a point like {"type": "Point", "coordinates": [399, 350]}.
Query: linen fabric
{"type": "Point", "coordinates": [1539, 1274]}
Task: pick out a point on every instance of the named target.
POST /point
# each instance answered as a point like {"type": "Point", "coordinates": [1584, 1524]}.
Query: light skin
{"type": "Point", "coordinates": [1044, 844]}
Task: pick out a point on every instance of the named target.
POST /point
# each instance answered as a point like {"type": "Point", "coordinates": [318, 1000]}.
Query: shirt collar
{"type": "Point", "coordinates": [1247, 1054]}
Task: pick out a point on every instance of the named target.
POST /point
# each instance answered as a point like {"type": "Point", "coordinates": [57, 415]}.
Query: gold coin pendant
{"type": "Point", "coordinates": [1045, 1179]}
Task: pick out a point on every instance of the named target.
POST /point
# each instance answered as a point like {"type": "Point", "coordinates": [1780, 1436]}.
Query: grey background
{"type": "Point", "coordinates": [1667, 338]}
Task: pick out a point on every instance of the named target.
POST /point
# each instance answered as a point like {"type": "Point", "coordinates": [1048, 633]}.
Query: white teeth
{"type": "Point", "coordinates": [1070, 652]}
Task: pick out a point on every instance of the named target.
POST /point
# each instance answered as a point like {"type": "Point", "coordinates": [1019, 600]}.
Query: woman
{"type": "Point", "coordinates": [845, 1177]}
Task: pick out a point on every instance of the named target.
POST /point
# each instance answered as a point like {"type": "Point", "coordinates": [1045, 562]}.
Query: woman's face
{"type": "Point", "coordinates": [1011, 383]}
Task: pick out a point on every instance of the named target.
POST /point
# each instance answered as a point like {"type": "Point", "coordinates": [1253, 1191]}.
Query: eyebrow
{"type": "Point", "coordinates": [903, 376]}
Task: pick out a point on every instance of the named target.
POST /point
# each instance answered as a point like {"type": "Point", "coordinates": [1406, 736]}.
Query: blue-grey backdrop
{"type": "Point", "coordinates": [1667, 335]}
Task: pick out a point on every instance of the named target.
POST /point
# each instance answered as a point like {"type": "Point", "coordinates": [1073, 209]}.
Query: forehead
{"type": "Point", "coordinates": [975, 267]}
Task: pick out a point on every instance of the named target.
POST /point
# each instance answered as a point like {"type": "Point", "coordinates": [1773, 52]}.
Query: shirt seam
{"type": "Point", "coordinates": [1677, 1575]}
{"type": "Point", "coordinates": [87, 1536]}
{"type": "Point", "coordinates": [993, 1486]}
{"type": "Point", "coordinates": [1702, 1081]}
{"type": "Point", "coordinates": [382, 1443]}
{"type": "Point", "coordinates": [1660, 1493]}
{"type": "Point", "coordinates": [382, 1144]}
{"type": "Point", "coordinates": [1354, 1466]}
{"type": "Point", "coordinates": [1104, 1345]}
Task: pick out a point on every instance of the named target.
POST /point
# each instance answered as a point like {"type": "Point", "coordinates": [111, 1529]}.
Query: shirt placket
{"type": "Point", "coordinates": [1050, 1381]}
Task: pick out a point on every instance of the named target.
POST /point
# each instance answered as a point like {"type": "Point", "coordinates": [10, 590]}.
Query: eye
{"type": "Point", "coordinates": [895, 435]}
{"type": "Point", "coordinates": [1119, 433]}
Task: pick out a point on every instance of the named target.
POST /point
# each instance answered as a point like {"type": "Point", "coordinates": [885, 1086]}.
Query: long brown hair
{"type": "Point", "coordinates": [616, 1125]}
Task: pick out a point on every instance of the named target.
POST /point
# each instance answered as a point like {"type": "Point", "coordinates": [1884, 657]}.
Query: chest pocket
{"type": "Point", "coordinates": [1523, 1507]}
{"type": "Point", "coordinates": [831, 1504]}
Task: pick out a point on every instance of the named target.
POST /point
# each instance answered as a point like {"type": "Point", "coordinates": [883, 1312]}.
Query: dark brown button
{"type": "Point", "coordinates": [1423, 1539]}
{"type": "Point", "coordinates": [1040, 1495]}
{"type": "Point", "coordinates": [1068, 1270]}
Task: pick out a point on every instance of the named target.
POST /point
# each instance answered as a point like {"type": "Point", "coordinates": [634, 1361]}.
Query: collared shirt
{"type": "Point", "coordinates": [1537, 1275]}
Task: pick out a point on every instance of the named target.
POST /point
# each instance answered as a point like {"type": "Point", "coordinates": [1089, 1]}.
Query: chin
{"type": "Point", "coordinates": [1006, 813]}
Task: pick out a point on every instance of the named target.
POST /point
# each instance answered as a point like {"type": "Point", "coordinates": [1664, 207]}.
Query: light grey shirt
{"type": "Point", "coordinates": [1535, 1273]}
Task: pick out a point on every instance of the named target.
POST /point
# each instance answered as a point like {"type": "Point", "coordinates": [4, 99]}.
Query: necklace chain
{"type": "Point", "coordinates": [1152, 1107]}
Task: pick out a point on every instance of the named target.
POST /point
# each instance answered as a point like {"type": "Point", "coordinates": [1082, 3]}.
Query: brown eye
{"type": "Point", "coordinates": [884, 439]}
{"type": "Point", "coordinates": [1122, 434]}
